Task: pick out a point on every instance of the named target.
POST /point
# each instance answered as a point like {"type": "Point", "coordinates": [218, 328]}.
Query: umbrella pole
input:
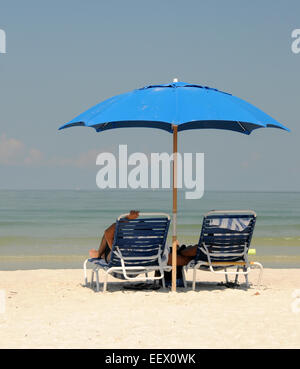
{"type": "Point", "coordinates": [174, 237]}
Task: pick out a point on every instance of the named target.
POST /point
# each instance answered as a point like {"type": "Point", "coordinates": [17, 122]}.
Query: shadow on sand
{"type": "Point", "coordinates": [127, 287]}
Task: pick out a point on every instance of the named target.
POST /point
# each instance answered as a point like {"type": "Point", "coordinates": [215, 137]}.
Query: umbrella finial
{"type": "Point", "coordinates": [175, 80]}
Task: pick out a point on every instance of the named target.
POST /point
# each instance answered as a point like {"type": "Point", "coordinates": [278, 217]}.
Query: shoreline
{"type": "Point", "coordinates": [55, 262]}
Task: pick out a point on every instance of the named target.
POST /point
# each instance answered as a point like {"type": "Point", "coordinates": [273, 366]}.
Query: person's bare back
{"type": "Point", "coordinates": [108, 238]}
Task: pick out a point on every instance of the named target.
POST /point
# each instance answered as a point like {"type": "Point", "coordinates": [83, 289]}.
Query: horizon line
{"type": "Point", "coordinates": [141, 189]}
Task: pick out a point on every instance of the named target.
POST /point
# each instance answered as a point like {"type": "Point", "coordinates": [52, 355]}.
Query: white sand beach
{"type": "Point", "coordinates": [51, 309]}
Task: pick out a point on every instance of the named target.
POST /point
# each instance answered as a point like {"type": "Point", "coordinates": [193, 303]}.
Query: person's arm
{"type": "Point", "coordinates": [109, 236]}
{"type": "Point", "coordinates": [98, 253]}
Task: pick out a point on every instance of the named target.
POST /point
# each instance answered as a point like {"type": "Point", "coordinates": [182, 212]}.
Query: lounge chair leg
{"type": "Point", "coordinates": [226, 276]}
{"type": "Point", "coordinates": [194, 279]}
{"type": "Point", "coordinates": [260, 273]}
{"type": "Point", "coordinates": [184, 277]}
{"type": "Point", "coordinates": [92, 279]}
{"type": "Point", "coordinates": [247, 281]}
{"type": "Point", "coordinates": [97, 281]}
{"type": "Point", "coordinates": [237, 276]}
{"type": "Point", "coordinates": [246, 278]}
{"type": "Point", "coordinates": [163, 281]}
{"type": "Point", "coordinates": [105, 282]}
{"type": "Point", "coordinates": [84, 272]}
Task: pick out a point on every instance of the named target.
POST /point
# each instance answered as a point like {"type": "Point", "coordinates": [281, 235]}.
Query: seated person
{"type": "Point", "coordinates": [108, 238]}
{"type": "Point", "coordinates": [184, 254]}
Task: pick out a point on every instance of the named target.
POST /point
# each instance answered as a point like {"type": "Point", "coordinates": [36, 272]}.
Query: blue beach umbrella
{"type": "Point", "coordinates": [175, 107]}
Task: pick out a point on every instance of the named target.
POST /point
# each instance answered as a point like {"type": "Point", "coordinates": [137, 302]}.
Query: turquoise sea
{"type": "Point", "coordinates": [55, 229]}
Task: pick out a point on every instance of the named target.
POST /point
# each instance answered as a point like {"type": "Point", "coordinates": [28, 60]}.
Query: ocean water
{"type": "Point", "coordinates": [55, 229]}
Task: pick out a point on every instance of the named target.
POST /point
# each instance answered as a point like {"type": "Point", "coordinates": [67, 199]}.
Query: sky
{"type": "Point", "coordinates": [65, 56]}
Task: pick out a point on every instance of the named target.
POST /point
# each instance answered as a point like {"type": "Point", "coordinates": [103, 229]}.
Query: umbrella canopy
{"type": "Point", "coordinates": [175, 107]}
{"type": "Point", "coordinates": [186, 105]}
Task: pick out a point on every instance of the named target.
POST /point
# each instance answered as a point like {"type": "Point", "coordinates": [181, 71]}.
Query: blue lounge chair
{"type": "Point", "coordinates": [139, 247]}
{"type": "Point", "coordinates": [224, 243]}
